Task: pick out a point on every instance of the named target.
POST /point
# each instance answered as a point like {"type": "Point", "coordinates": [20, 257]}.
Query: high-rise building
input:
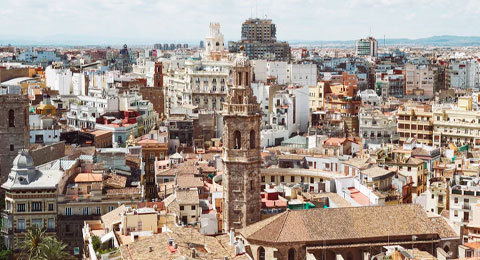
{"type": "Point", "coordinates": [260, 42]}
{"type": "Point", "coordinates": [14, 129]}
{"type": "Point", "coordinates": [202, 45]}
{"type": "Point", "coordinates": [157, 46]}
{"type": "Point", "coordinates": [241, 151]}
{"type": "Point", "coordinates": [165, 47]}
{"type": "Point", "coordinates": [366, 47]}
{"type": "Point", "coordinates": [259, 30]}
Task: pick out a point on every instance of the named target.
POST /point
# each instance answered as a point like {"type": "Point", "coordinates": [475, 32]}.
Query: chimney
{"type": "Point", "coordinates": [232, 236]}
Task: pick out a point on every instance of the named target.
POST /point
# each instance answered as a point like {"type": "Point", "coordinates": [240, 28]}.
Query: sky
{"type": "Point", "coordinates": [151, 21]}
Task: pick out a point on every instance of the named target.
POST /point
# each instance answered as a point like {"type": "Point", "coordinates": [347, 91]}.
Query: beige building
{"type": "Point", "coordinates": [30, 199]}
{"type": "Point", "coordinates": [459, 125]}
{"type": "Point", "coordinates": [316, 98]}
{"type": "Point", "coordinates": [415, 120]}
{"type": "Point", "coordinates": [185, 205]}
{"type": "Point", "coordinates": [420, 80]}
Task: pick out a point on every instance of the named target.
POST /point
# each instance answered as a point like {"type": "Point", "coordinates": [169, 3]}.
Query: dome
{"type": "Point", "coordinates": [23, 160]}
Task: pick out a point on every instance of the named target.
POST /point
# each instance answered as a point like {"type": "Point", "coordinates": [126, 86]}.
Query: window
{"type": "Point", "coordinates": [261, 253]}
{"type": "Point", "coordinates": [455, 200]}
{"type": "Point", "coordinates": [110, 208]}
{"type": "Point", "coordinates": [252, 139]}
{"type": "Point", "coordinates": [181, 208]}
{"type": "Point", "coordinates": [292, 178]}
{"type": "Point", "coordinates": [21, 207]}
{"type": "Point", "coordinates": [68, 211]}
{"type": "Point", "coordinates": [11, 118]}
{"type": "Point", "coordinates": [36, 206]}
{"type": "Point", "coordinates": [455, 213]}
{"type": "Point", "coordinates": [251, 185]}
{"type": "Point", "coordinates": [51, 224]}
{"type": "Point", "coordinates": [291, 254]}
{"type": "Point", "coordinates": [86, 211]}
{"type": "Point", "coordinates": [37, 222]}
{"type": "Point", "coordinates": [12, 147]}
{"type": "Point", "coordinates": [282, 178]}
{"type": "Point", "coordinates": [193, 207]}
{"type": "Point", "coordinates": [50, 207]}
{"type": "Point", "coordinates": [272, 178]}
{"type": "Point", "coordinates": [21, 225]}
{"type": "Point", "coordinates": [237, 140]}
{"type": "Point", "coordinates": [263, 178]}
{"type": "Point", "coordinates": [98, 211]}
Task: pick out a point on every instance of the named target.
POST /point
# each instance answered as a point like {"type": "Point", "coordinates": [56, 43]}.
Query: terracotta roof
{"type": "Point", "coordinates": [216, 247]}
{"type": "Point", "coordinates": [376, 172]}
{"type": "Point", "coordinates": [124, 191]}
{"type": "Point", "coordinates": [316, 225]}
{"type": "Point", "coordinates": [359, 163]}
{"type": "Point", "coordinates": [334, 141]}
{"type": "Point", "coordinates": [443, 228]}
{"type": "Point", "coordinates": [113, 216]}
{"type": "Point", "coordinates": [88, 177]}
{"type": "Point", "coordinates": [186, 197]}
{"type": "Point", "coordinates": [414, 161]}
{"type": "Point", "coordinates": [115, 181]}
{"type": "Point", "coordinates": [189, 181]}
{"type": "Point", "coordinates": [291, 157]}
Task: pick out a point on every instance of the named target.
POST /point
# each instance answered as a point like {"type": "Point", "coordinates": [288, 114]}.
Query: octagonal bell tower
{"type": "Point", "coordinates": [241, 150]}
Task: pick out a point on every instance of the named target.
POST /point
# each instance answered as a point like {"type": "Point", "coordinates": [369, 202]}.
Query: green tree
{"type": "Point", "coordinates": [34, 238]}
{"type": "Point", "coordinates": [52, 249]}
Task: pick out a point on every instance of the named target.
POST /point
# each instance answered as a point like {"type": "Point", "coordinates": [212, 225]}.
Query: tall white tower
{"type": "Point", "coordinates": [214, 41]}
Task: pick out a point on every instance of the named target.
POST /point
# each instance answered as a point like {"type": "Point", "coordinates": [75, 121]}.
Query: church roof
{"type": "Point", "coordinates": [317, 225]}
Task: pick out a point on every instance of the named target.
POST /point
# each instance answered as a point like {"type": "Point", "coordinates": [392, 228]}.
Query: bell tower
{"type": "Point", "coordinates": [241, 150]}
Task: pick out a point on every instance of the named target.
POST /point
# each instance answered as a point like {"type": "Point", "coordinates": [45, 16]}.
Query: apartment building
{"type": "Point", "coordinates": [421, 80]}
{"type": "Point", "coordinates": [376, 127]}
{"type": "Point", "coordinates": [463, 200]}
{"type": "Point", "coordinates": [415, 121]}
{"type": "Point", "coordinates": [202, 83]}
{"type": "Point", "coordinates": [459, 124]}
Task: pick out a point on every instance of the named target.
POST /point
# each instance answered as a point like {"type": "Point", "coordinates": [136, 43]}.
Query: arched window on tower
{"type": "Point", "coordinates": [252, 139]}
{"type": "Point", "coordinates": [237, 140]}
{"type": "Point", "coordinates": [261, 253]}
{"type": "Point", "coordinates": [11, 118]}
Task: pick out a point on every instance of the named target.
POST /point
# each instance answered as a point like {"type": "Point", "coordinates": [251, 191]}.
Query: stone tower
{"type": "Point", "coordinates": [14, 130]}
{"type": "Point", "coordinates": [241, 150]}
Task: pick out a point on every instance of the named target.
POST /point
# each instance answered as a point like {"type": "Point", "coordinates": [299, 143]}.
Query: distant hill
{"type": "Point", "coordinates": [438, 41]}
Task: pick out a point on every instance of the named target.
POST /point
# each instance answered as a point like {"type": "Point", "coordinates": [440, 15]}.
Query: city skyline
{"type": "Point", "coordinates": [145, 21]}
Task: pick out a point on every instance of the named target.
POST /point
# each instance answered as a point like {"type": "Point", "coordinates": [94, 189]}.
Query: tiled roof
{"type": "Point", "coordinates": [414, 161]}
{"type": "Point", "coordinates": [189, 181]}
{"type": "Point", "coordinates": [188, 197]}
{"type": "Point", "coordinates": [291, 157]}
{"type": "Point", "coordinates": [115, 181]}
{"type": "Point", "coordinates": [88, 177]}
{"type": "Point", "coordinates": [376, 172]}
{"type": "Point", "coordinates": [113, 216]}
{"type": "Point", "coordinates": [316, 225]}
{"type": "Point", "coordinates": [124, 191]}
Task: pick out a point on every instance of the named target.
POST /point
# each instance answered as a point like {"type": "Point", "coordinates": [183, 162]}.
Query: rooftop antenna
{"type": "Point", "coordinates": [256, 9]}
